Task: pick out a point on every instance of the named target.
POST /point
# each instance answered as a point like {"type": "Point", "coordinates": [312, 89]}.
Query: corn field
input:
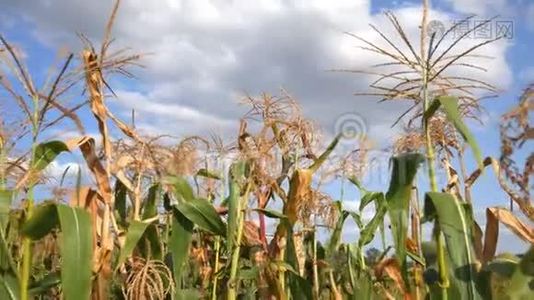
{"type": "Point", "coordinates": [160, 220]}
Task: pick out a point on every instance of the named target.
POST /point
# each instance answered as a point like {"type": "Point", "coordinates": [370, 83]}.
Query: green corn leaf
{"type": "Point", "coordinates": [188, 294]}
{"type": "Point", "coordinates": [522, 282]}
{"type": "Point", "coordinates": [150, 244]}
{"type": "Point", "coordinates": [7, 264]}
{"type": "Point", "coordinates": [46, 283]}
{"type": "Point", "coordinates": [150, 208]}
{"type": "Point", "coordinates": [249, 273]}
{"type": "Point", "coordinates": [322, 158]}
{"type": "Point", "coordinates": [134, 234]}
{"type": "Point", "coordinates": [357, 219]}
{"type": "Point", "coordinates": [300, 288]}
{"type": "Point", "coordinates": [369, 197]}
{"type": "Point", "coordinates": [120, 201]}
{"type": "Point", "coordinates": [273, 214]}
{"type": "Point", "coordinates": [357, 183]}
{"type": "Point", "coordinates": [208, 174]}
{"type": "Point", "coordinates": [6, 198]}
{"type": "Point", "coordinates": [9, 287]}
{"type": "Point", "coordinates": [6, 259]}
{"type": "Point", "coordinates": [398, 201]}
{"type": "Point", "coordinates": [236, 174]}
{"type": "Point", "coordinates": [76, 252]}
{"type": "Point", "coordinates": [45, 153]}
{"type": "Point", "coordinates": [456, 222]}
{"type": "Point", "coordinates": [179, 243]}
{"type": "Point", "coordinates": [282, 266]}
{"type": "Point", "coordinates": [202, 213]}
{"type": "Point", "coordinates": [76, 244]}
{"type": "Point", "coordinates": [335, 238]}
{"type": "Point", "coordinates": [450, 106]}
{"type": "Point", "coordinates": [360, 281]}
{"type": "Point", "coordinates": [44, 219]}
{"type": "Point", "coordinates": [504, 265]}
{"type": "Point", "coordinates": [367, 234]}
{"type": "Point", "coordinates": [182, 188]}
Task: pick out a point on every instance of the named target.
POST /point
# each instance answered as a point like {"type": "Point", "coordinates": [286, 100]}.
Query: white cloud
{"type": "Point", "coordinates": [56, 170]}
{"type": "Point", "coordinates": [205, 54]}
{"type": "Point", "coordinates": [477, 7]}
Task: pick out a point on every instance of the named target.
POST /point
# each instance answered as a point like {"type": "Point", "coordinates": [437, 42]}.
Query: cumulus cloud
{"type": "Point", "coordinates": [204, 55]}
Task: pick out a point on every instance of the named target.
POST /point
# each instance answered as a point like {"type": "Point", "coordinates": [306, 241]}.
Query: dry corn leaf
{"type": "Point", "coordinates": [123, 127]}
{"type": "Point", "coordinates": [251, 234]}
{"type": "Point", "coordinates": [87, 146]}
{"type": "Point", "coordinates": [299, 190]}
{"type": "Point", "coordinates": [102, 254]}
{"type": "Point", "coordinates": [117, 169]}
{"type": "Point", "coordinates": [477, 243]}
{"type": "Point", "coordinates": [82, 197]}
{"type": "Point", "coordinates": [525, 206]}
{"type": "Point", "coordinates": [495, 215]}
{"type": "Point", "coordinates": [94, 82]}
{"type": "Point", "coordinates": [391, 268]}
{"type": "Point", "coordinates": [411, 245]}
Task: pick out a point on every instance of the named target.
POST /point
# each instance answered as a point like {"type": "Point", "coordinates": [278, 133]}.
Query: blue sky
{"type": "Point", "coordinates": [206, 54]}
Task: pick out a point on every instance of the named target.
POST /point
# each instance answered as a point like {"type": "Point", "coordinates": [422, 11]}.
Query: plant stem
{"type": "Point", "coordinates": [416, 226]}
{"type": "Point", "coordinates": [26, 242]}
{"type": "Point", "coordinates": [216, 268]}
{"type": "Point", "coordinates": [363, 266]}
{"type": "Point", "coordinates": [233, 282]}
{"type": "Point", "coordinates": [26, 253]}
{"type": "Point", "coordinates": [444, 280]}
{"type": "Point", "coordinates": [335, 291]}
{"type": "Point", "coordinates": [463, 171]}
{"type": "Point", "coordinates": [315, 269]}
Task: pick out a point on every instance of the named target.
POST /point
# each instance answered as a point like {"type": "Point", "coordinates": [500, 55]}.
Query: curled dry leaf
{"type": "Point", "coordinates": [391, 268]}
{"type": "Point", "coordinates": [495, 215]}
{"type": "Point", "coordinates": [117, 169]}
{"type": "Point", "coordinates": [525, 206]}
{"type": "Point", "coordinates": [251, 234]}
{"type": "Point", "coordinates": [299, 189]}
{"type": "Point", "coordinates": [95, 82]}
{"type": "Point", "coordinates": [102, 253]}
{"type": "Point", "coordinates": [87, 146]}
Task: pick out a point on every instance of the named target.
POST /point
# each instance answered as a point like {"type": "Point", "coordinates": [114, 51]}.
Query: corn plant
{"type": "Point", "coordinates": [163, 221]}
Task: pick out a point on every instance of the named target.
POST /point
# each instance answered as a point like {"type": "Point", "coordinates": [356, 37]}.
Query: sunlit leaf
{"type": "Point", "coordinates": [202, 213]}
{"type": "Point", "coordinates": [456, 222]}
{"type": "Point", "coordinates": [76, 244]}
{"type": "Point", "coordinates": [398, 201]}
{"type": "Point", "coordinates": [45, 153]}
{"type": "Point", "coordinates": [450, 106]}
{"type": "Point", "coordinates": [179, 243]}
{"type": "Point", "coordinates": [136, 229]}
{"type": "Point", "coordinates": [270, 213]}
